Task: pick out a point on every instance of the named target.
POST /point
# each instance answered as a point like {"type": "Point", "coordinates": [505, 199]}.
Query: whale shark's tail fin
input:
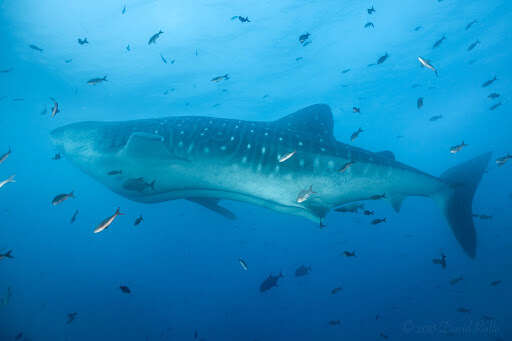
{"type": "Point", "coordinates": [457, 202]}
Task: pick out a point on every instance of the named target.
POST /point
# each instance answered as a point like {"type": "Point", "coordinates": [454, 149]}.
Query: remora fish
{"type": "Point", "coordinates": [180, 152]}
{"type": "Point", "coordinates": [154, 37]}
{"type": "Point", "coordinates": [107, 222]}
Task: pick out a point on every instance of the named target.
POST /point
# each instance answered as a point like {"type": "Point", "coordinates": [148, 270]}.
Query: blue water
{"type": "Point", "coordinates": [181, 263]}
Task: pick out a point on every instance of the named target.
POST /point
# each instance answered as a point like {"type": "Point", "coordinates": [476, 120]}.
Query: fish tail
{"type": "Point", "coordinates": [152, 185]}
{"type": "Point", "coordinates": [11, 178]}
{"type": "Point", "coordinates": [105, 78]}
{"type": "Point", "coordinates": [8, 254]}
{"type": "Point", "coordinates": [456, 201]}
{"type": "Point", "coordinates": [72, 194]}
{"type": "Point", "coordinates": [119, 212]}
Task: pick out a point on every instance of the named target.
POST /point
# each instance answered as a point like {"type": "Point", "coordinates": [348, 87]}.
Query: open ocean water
{"type": "Point", "coordinates": [238, 222]}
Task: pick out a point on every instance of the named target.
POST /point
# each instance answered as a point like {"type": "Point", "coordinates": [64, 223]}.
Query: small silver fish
{"type": "Point", "coordinates": [219, 78]}
{"type": "Point", "coordinates": [355, 134]}
{"type": "Point", "coordinates": [305, 194]}
{"type": "Point", "coordinates": [499, 161]}
{"type": "Point", "coordinates": [94, 81]}
{"type": "Point", "coordinates": [287, 156]}
{"type": "Point", "coordinates": [8, 180]}
{"type": "Point", "coordinates": [107, 221]}
{"type": "Point", "coordinates": [426, 63]}
{"type": "Point", "coordinates": [55, 108]}
{"type": "Point", "coordinates": [243, 264]}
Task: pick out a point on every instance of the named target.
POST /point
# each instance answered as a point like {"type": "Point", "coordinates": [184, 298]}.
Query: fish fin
{"type": "Point", "coordinates": [213, 204]}
{"type": "Point", "coordinates": [396, 201]}
{"type": "Point", "coordinates": [144, 145]}
{"type": "Point", "coordinates": [456, 201]}
{"type": "Point", "coordinates": [386, 154]}
{"type": "Point", "coordinates": [315, 119]}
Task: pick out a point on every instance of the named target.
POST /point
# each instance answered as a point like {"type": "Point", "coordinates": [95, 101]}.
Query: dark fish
{"type": "Point", "coordinates": [371, 10]}
{"type": "Point", "coordinates": [463, 310]}
{"type": "Point", "coordinates": [242, 19]}
{"type": "Point", "coordinates": [489, 82]}
{"type": "Point", "coordinates": [349, 254]}
{"type": "Point", "coordinates": [125, 289]}
{"type": "Point", "coordinates": [419, 102]}
{"type": "Point", "coordinates": [115, 172]}
{"type": "Point", "coordinates": [82, 41]}
{"type": "Point", "coordinates": [378, 221]}
{"type": "Point", "coordinates": [302, 271]}
{"type": "Point", "coordinates": [34, 47]}
{"type": "Point", "coordinates": [382, 59]}
{"type": "Point", "coordinates": [384, 336]}
{"type": "Point", "coordinates": [378, 196]}
{"type": "Point", "coordinates": [124, 10]}
{"type": "Point", "coordinates": [417, 28]}
{"type": "Point", "coordinates": [488, 318]}
{"type": "Point", "coordinates": [494, 95]}
{"type": "Point", "coordinates": [154, 37]}
{"type": "Point", "coordinates": [6, 70]}
{"type": "Point", "coordinates": [437, 43]}
{"type": "Point", "coordinates": [473, 45]}
{"type": "Point", "coordinates": [356, 110]}
{"type": "Point", "coordinates": [219, 78]}
{"type": "Point", "coordinates": [73, 218]}
{"type": "Point", "coordinates": [346, 166]}
{"type": "Point", "coordinates": [336, 290]}
{"type": "Point", "coordinates": [138, 185]}
{"type": "Point", "coordinates": [334, 322]}
{"type": "Point", "coordinates": [56, 157]}
{"type": "Point", "coordinates": [351, 208]}
{"type": "Point", "coordinates": [355, 134]}
{"type": "Point", "coordinates": [298, 58]}
{"type": "Point", "coordinates": [71, 317]}
{"type": "Point", "coordinates": [495, 106]}
{"type": "Point", "coordinates": [495, 283]}
{"type": "Point", "coordinates": [345, 71]}
{"type": "Point", "coordinates": [94, 81]}
{"type": "Point", "coordinates": [163, 59]}
{"type": "Point", "coordinates": [468, 26]}
{"type": "Point", "coordinates": [456, 280]}
{"type": "Point", "coordinates": [435, 118]}
{"type": "Point", "coordinates": [369, 24]}
{"type": "Point", "coordinates": [440, 261]}
{"type": "Point", "coordinates": [8, 254]}
{"type": "Point", "coordinates": [367, 212]}
{"type": "Point", "coordinates": [5, 155]}
{"type": "Point", "coordinates": [128, 47]}
{"type": "Point", "coordinates": [139, 220]}
{"type": "Point", "coordinates": [195, 334]}
{"type": "Point", "coordinates": [304, 37]}
{"type": "Point", "coordinates": [18, 99]}
{"type": "Point", "coordinates": [67, 61]}
{"type": "Point", "coordinates": [61, 198]}
{"type": "Point", "coordinates": [270, 282]}
{"type": "Point", "coordinates": [18, 337]}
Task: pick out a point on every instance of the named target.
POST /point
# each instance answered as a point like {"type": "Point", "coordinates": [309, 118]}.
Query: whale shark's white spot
{"type": "Point", "coordinates": [259, 167]}
{"type": "Point", "coordinates": [156, 132]}
{"type": "Point", "coordinates": [210, 122]}
{"type": "Point", "coordinates": [232, 138]}
{"type": "Point", "coordinates": [190, 147]}
{"type": "Point", "coordinates": [276, 169]}
{"type": "Point", "coordinates": [266, 134]}
{"type": "Point", "coordinates": [205, 129]}
{"type": "Point", "coordinates": [280, 138]}
{"type": "Point", "coordinates": [236, 127]}
{"type": "Point", "coordinates": [330, 164]}
{"type": "Point", "coordinates": [321, 140]}
{"type": "Point", "coordinates": [223, 148]}
{"type": "Point", "coordinates": [180, 144]}
{"type": "Point", "coordinates": [249, 146]}
{"type": "Point", "coordinates": [322, 149]}
{"type": "Point", "coordinates": [206, 149]}
{"type": "Point", "coordinates": [263, 150]}
{"type": "Point", "coordinates": [202, 134]}
{"type": "Point", "coordinates": [252, 131]}
{"type": "Point", "coordinates": [219, 133]}
{"type": "Point", "coordinates": [301, 162]}
{"type": "Point", "coordinates": [316, 163]}
{"type": "Point", "coordinates": [182, 132]}
{"type": "Point", "coordinates": [244, 159]}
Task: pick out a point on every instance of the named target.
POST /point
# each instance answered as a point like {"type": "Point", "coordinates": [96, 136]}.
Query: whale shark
{"type": "Point", "coordinates": [206, 159]}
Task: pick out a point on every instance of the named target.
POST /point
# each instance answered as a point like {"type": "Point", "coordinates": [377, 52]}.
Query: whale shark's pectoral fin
{"type": "Point", "coordinates": [213, 204]}
{"type": "Point", "coordinates": [145, 145]}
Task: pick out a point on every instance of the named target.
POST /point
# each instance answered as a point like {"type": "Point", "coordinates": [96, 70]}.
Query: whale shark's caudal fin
{"type": "Point", "coordinates": [457, 202]}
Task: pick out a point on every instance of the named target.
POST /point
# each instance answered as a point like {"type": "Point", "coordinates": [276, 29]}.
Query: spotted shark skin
{"type": "Point", "coordinates": [206, 158]}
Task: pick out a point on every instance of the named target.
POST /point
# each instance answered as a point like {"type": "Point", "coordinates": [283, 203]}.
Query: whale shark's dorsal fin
{"type": "Point", "coordinates": [386, 154]}
{"type": "Point", "coordinates": [315, 119]}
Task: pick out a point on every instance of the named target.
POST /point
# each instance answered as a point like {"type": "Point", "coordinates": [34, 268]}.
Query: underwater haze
{"type": "Point", "coordinates": [255, 170]}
